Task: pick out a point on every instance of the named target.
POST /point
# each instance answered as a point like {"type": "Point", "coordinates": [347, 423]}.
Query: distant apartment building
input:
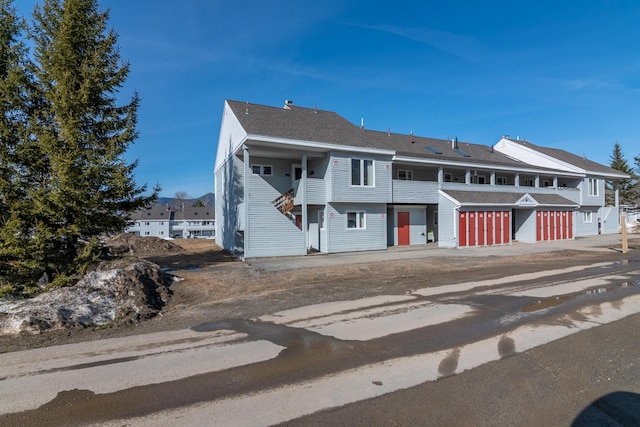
{"type": "Point", "coordinates": [165, 222]}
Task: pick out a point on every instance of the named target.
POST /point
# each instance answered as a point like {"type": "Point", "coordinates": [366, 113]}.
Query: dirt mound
{"type": "Point", "coordinates": [119, 292]}
{"type": "Point", "coordinates": [129, 244]}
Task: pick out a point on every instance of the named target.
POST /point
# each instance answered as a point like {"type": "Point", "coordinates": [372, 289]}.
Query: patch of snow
{"type": "Point", "coordinates": [97, 299]}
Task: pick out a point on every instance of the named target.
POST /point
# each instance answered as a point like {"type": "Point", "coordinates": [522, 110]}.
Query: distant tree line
{"type": "Point", "coordinates": [64, 181]}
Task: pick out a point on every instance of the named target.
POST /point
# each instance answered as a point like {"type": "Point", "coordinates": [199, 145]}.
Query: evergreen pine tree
{"type": "Point", "coordinates": [79, 186]}
{"type": "Point", "coordinates": [626, 186]}
{"type": "Point", "coordinates": [16, 110]}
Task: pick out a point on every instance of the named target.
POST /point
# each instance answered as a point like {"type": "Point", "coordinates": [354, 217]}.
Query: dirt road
{"type": "Point", "coordinates": [213, 285]}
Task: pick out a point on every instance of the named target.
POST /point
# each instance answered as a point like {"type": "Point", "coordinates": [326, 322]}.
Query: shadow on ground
{"type": "Point", "coordinates": [618, 408]}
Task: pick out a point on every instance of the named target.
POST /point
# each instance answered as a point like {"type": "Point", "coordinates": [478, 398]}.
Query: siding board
{"type": "Point", "coordinates": [373, 237]}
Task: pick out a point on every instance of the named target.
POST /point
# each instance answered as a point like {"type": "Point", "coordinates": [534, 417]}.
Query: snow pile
{"type": "Point", "coordinates": [119, 292]}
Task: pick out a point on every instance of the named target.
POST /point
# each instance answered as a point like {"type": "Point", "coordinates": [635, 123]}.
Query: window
{"type": "Point", "coordinates": [362, 172]}
{"type": "Point", "coordinates": [593, 186]}
{"type": "Point", "coordinates": [261, 170]}
{"type": "Point", "coordinates": [528, 182]}
{"type": "Point", "coordinates": [146, 233]}
{"type": "Point", "coordinates": [405, 175]}
{"type": "Point", "coordinates": [147, 223]}
{"type": "Point", "coordinates": [501, 180]}
{"type": "Point", "coordinates": [161, 222]}
{"type": "Point", "coordinates": [546, 183]}
{"type": "Point", "coordinates": [447, 177]}
{"type": "Point", "coordinates": [587, 216]}
{"type": "Point", "coordinates": [162, 232]}
{"type": "Point", "coordinates": [478, 179]}
{"type": "Point", "coordinates": [355, 220]}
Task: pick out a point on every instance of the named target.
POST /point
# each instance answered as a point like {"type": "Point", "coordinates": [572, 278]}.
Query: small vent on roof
{"type": "Point", "coordinates": [433, 150]}
{"type": "Point", "coordinates": [287, 104]}
{"type": "Point", "coordinates": [460, 152]}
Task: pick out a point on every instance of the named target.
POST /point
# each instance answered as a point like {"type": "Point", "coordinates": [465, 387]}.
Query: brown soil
{"type": "Point", "coordinates": [214, 286]}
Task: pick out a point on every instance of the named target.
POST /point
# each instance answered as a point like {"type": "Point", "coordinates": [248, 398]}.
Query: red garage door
{"type": "Point", "coordinates": [490, 227]}
{"type": "Point", "coordinates": [506, 227]}
{"type": "Point", "coordinates": [462, 229]}
{"type": "Point", "coordinates": [471, 241]}
{"type": "Point", "coordinates": [481, 228]}
{"type": "Point", "coordinates": [498, 228]}
{"type": "Point", "coordinates": [554, 225]}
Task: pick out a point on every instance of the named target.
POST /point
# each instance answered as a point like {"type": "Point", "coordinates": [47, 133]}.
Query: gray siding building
{"type": "Point", "coordinates": [293, 180]}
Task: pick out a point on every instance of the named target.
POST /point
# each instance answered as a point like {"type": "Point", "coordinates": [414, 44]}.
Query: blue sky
{"type": "Point", "coordinates": [563, 74]}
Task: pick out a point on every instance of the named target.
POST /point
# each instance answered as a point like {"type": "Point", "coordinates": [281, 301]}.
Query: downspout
{"type": "Point", "coordinates": [456, 224]}
{"type": "Point", "coordinates": [303, 184]}
{"type": "Point", "coordinates": [617, 202]}
{"type": "Point", "coordinates": [245, 195]}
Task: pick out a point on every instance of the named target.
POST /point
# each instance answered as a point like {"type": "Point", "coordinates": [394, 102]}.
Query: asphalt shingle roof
{"type": "Point", "coordinates": [160, 212]}
{"type": "Point", "coordinates": [311, 124]}
{"type": "Point", "coordinates": [565, 156]}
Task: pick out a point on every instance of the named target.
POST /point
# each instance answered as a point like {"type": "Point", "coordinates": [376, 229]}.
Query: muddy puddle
{"type": "Point", "coordinates": [551, 302]}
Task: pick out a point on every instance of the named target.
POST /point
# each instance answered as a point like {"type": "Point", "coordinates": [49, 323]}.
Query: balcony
{"type": "Point", "coordinates": [415, 191]}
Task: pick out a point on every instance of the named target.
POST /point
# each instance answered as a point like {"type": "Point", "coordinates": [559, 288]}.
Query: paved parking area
{"type": "Point", "coordinates": [601, 243]}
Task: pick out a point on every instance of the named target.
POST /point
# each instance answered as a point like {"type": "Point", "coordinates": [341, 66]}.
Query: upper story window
{"type": "Point", "coordinates": [448, 177]}
{"type": "Point", "coordinates": [501, 180]}
{"type": "Point", "coordinates": [405, 175]}
{"type": "Point", "coordinates": [478, 179]}
{"type": "Point", "coordinates": [593, 186]}
{"type": "Point", "coordinates": [261, 170]}
{"type": "Point", "coordinates": [528, 182]}
{"type": "Point", "coordinates": [362, 172]}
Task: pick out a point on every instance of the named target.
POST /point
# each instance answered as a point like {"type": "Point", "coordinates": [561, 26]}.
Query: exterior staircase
{"type": "Point", "coordinates": [284, 204]}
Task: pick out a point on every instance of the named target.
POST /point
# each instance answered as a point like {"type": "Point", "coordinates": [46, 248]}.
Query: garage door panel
{"type": "Point", "coordinates": [462, 229]}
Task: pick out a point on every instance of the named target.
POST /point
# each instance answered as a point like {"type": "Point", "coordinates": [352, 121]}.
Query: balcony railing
{"type": "Point", "coordinates": [415, 191]}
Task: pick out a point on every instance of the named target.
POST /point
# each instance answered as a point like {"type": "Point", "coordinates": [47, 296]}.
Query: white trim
{"type": "Point", "coordinates": [318, 145]}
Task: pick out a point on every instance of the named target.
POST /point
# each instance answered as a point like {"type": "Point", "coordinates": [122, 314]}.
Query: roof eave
{"type": "Point", "coordinates": [318, 145]}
